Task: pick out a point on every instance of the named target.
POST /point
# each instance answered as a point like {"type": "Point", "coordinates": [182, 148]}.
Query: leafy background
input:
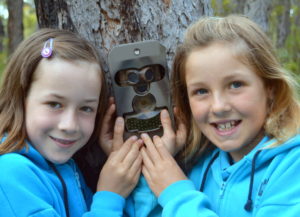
{"type": "Point", "coordinates": [288, 51]}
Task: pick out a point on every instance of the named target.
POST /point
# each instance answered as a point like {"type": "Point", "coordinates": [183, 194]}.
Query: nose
{"type": "Point", "coordinates": [220, 105]}
{"type": "Point", "coordinates": [68, 122]}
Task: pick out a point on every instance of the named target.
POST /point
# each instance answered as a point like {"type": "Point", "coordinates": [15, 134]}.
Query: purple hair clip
{"type": "Point", "coordinates": [48, 48]}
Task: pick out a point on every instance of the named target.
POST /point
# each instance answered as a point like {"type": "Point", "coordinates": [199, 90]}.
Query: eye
{"type": "Point", "coordinates": [87, 109]}
{"type": "Point", "coordinates": [54, 105]}
{"type": "Point", "coordinates": [236, 84]}
{"type": "Point", "coordinates": [201, 91]}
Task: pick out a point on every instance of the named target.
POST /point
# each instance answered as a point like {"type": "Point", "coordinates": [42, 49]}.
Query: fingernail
{"type": "Point", "coordinates": [164, 113]}
{"type": "Point", "coordinates": [119, 120]}
{"type": "Point", "coordinates": [133, 138]}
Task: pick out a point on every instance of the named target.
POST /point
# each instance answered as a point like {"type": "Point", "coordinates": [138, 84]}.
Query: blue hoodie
{"type": "Point", "coordinates": [266, 182]}
{"type": "Point", "coordinates": [29, 187]}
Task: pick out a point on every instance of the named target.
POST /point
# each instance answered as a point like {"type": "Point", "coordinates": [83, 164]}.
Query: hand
{"type": "Point", "coordinates": [122, 169]}
{"type": "Point", "coordinates": [111, 136]}
{"type": "Point", "coordinates": [159, 167]}
{"type": "Point", "coordinates": [173, 142]}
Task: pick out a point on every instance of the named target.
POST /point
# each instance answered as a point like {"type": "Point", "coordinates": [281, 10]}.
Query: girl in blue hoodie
{"type": "Point", "coordinates": [52, 99]}
{"type": "Point", "coordinates": [243, 118]}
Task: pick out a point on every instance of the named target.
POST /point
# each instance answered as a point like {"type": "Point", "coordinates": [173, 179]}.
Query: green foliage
{"type": "Point", "coordinates": [29, 22]}
{"type": "Point", "coordinates": [29, 19]}
{"type": "Point", "coordinates": [289, 54]}
{"type": "Point", "coordinates": [2, 61]}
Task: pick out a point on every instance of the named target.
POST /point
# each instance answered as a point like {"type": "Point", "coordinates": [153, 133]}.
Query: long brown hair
{"type": "Point", "coordinates": [18, 75]}
{"type": "Point", "coordinates": [283, 120]}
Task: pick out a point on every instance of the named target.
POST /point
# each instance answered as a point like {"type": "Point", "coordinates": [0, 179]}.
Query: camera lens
{"type": "Point", "coordinates": [143, 103]}
{"type": "Point", "coordinates": [132, 77]}
{"type": "Point", "coordinates": [149, 75]}
{"type": "Point", "coordinates": [141, 88]}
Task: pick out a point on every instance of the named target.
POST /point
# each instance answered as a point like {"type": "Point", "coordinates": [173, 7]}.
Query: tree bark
{"type": "Point", "coordinates": [107, 23]}
{"type": "Point", "coordinates": [15, 23]}
{"type": "Point", "coordinates": [238, 6]}
{"type": "Point", "coordinates": [258, 11]}
{"type": "Point", "coordinates": [284, 26]}
{"type": "Point", "coordinates": [2, 34]}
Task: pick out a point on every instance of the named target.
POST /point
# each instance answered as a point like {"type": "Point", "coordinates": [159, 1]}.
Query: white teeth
{"type": "Point", "coordinates": [226, 126]}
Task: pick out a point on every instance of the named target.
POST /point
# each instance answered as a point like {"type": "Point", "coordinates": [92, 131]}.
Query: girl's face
{"type": "Point", "coordinates": [228, 100]}
{"type": "Point", "coordinates": [61, 107]}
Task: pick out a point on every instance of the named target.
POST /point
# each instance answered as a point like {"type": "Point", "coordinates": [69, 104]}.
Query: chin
{"type": "Point", "coordinates": [58, 160]}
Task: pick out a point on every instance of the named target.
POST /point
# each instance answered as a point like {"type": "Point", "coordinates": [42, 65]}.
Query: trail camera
{"type": "Point", "coordinates": [140, 84]}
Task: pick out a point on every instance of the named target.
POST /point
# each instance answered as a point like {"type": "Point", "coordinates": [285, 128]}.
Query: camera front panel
{"type": "Point", "coordinates": [140, 84]}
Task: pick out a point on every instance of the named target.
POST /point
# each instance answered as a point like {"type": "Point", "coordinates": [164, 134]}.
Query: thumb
{"type": "Point", "coordinates": [166, 122]}
{"type": "Point", "coordinates": [118, 134]}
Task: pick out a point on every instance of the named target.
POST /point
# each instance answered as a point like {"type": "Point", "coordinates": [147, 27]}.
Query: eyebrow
{"type": "Point", "coordinates": [234, 76]}
{"type": "Point", "coordinates": [90, 100]}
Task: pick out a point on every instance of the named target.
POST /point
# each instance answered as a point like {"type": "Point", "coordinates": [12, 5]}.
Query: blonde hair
{"type": "Point", "coordinates": [18, 76]}
{"type": "Point", "coordinates": [283, 120]}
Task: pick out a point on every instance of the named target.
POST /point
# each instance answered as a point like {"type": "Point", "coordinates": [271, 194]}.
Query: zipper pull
{"type": "Point", "coordinates": [76, 174]}
{"type": "Point", "coordinates": [77, 179]}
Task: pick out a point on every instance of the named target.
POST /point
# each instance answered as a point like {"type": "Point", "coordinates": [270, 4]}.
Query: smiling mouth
{"type": "Point", "coordinates": [226, 126]}
{"type": "Point", "coordinates": [63, 141]}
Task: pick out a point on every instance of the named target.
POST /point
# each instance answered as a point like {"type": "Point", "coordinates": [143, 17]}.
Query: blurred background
{"type": "Point", "coordinates": [18, 19]}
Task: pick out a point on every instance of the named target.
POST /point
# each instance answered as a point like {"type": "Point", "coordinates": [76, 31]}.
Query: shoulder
{"type": "Point", "coordinates": [17, 168]}
{"type": "Point", "coordinates": [14, 160]}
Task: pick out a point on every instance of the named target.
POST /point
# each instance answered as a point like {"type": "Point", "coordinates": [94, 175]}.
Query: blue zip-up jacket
{"type": "Point", "coordinates": [29, 187]}
{"type": "Point", "coordinates": [266, 182]}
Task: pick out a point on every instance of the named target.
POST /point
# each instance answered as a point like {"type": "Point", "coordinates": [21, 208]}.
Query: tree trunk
{"type": "Point", "coordinates": [238, 6]}
{"type": "Point", "coordinates": [15, 23]}
{"type": "Point", "coordinates": [258, 11]}
{"type": "Point", "coordinates": [107, 23]}
{"type": "Point", "coordinates": [2, 34]}
{"type": "Point", "coordinates": [284, 26]}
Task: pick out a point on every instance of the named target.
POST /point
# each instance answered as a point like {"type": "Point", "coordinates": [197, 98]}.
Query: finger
{"type": "Point", "coordinates": [161, 149]}
{"type": "Point", "coordinates": [106, 133]}
{"type": "Point", "coordinates": [151, 149]}
{"type": "Point", "coordinates": [137, 175]}
{"type": "Point", "coordinates": [136, 166]}
{"type": "Point", "coordinates": [121, 153]}
{"type": "Point", "coordinates": [118, 134]}
{"type": "Point", "coordinates": [166, 122]}
{"type": "Point", "coordinates": [132, 154]}
{"type": "Point", "coordinates": [108, 117]}
{"type": "Point", "coordinates": [146, 174]}
{"type": "Point", "coordinates": [111, 100]}
{"type": "Point", "coordinates": [147, 162]}
{"type": "Point", "coordinates": [181, 133]}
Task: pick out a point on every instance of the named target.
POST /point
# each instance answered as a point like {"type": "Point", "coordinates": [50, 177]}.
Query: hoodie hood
{"type": "Point", "coordinates": [269, 151]}
{"type": "Point", "coordinates": [263, 152]}
{"type": "Point", "coordinates": [31, 153]}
